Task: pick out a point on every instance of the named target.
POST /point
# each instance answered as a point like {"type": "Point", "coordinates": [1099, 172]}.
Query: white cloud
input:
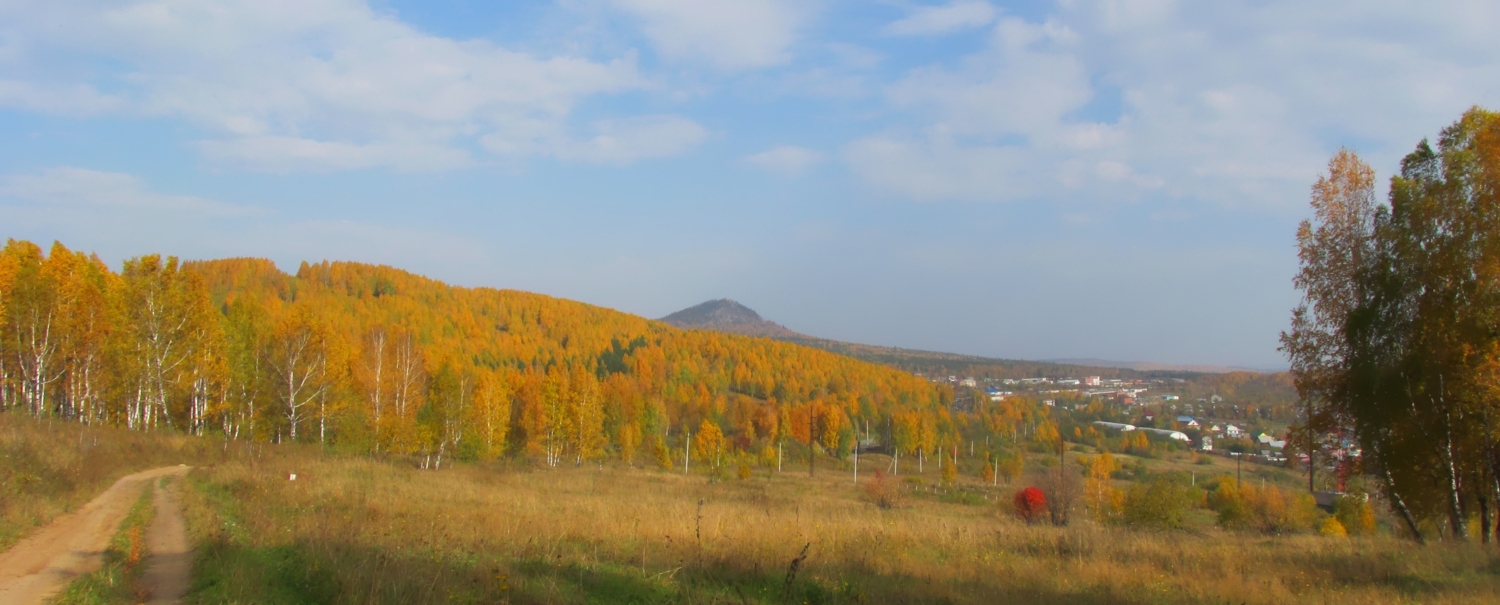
{"type": "Point", "coordinates": [1238, 105]}
{"type": "Point", "coordinates": [60, 99]}
{"type": "Point", "coordinates": [120, 216]}
{"type": "Point", "coordinates": [932, 20]}
{"type": "Point", "coordinates": [81, 189]}
{"type": "Point", "coordinates": [786, 159]}
{"type": "Point", "coordinates": [627, 140]}
{"type": "Point", "coordinates": [937, 169]}
{"type": "Point", "coordinates": [312, 84]}
{"type": "Point", "coordinates": [1018, 86]}
{"type": "Point", "coordinates": [727, 34]}
{"type": "Point", "coordinates": [292, 154]}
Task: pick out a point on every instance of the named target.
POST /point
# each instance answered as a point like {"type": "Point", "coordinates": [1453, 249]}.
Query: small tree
{"type": "Point", "coordinates": [1162, 504]}
{"type": "Point", "coordinates": [661, 453]}
{"type": "Point", "coordinates": [1012, 467]}
{"type": "Point", "coordinates": [1063, 486]}
{"type": "Point", "coordinates": [1031, 505]}
{"type": "Point", "coordinates": [883, 491]}
{"type": "Point", "coordinates": [708, 444]}
{"type": "Point", "coordinates": [1101, 498]}
{"type": "Point", "coordinates": [1354, 513]}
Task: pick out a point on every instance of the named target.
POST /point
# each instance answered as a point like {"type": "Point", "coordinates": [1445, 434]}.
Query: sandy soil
{"type": "Point", "coordinates": [74, 544]}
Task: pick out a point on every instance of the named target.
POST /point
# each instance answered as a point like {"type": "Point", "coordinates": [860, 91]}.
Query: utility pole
{"type": "Point", "coordinates": [687, 453]}
{"type": "Point", "coordinates": [856, 459]}
{"type": "Point", "coordinates": [812, 440]}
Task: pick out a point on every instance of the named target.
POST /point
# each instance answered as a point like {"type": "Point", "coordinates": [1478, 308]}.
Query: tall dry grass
{"type": "Point", "coordinates": [360, 531]}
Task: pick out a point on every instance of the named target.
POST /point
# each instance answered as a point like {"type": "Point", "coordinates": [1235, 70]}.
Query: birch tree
{"type": "Point", "coordinates": [298, 363]}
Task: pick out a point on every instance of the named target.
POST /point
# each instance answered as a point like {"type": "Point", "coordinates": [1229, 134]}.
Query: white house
{"type": "Point", "coordinates": [1208, 444]}
{"type": "Point", "coordinates": [1233, 432]}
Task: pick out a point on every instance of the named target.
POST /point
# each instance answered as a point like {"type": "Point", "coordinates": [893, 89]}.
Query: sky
{"type": "Point", "coordinates": [1116, 179]}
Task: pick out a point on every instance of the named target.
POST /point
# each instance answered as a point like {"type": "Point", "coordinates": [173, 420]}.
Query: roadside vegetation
{"type": "Point", "coordinates": [51, 467]}
{"type": "Point", "coordinates": [114, 583]}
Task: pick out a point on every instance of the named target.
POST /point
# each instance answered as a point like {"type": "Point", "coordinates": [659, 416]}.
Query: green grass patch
{"type": "Point", "coordinates": [115, 582]}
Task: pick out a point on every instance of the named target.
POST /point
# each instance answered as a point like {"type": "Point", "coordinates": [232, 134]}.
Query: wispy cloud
{"type": "Point", "coordinates": [726, 34]}
{"type": "Point", "coordinates": [933, 20]}
{"type": "Point", "coordinates": [786, 159]}
{"type": "Point", "coordinates": [322, 85]}
{"type": "Point", "coordinates": [74, 189]}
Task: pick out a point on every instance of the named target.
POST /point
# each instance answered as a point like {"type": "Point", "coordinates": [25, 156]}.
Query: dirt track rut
{"type": "Point", "coordinates": [73, 544]}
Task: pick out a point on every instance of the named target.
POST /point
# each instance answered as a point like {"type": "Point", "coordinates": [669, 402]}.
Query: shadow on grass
{"type": "Point", "coordinates": [305, 573]}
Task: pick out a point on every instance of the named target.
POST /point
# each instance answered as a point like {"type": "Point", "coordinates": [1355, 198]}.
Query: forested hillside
{"type": "Point", "coordinates": [372, 358]}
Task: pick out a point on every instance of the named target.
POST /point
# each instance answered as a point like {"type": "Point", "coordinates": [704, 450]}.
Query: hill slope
{"type": "Point", "coordinates": [725, 315]}
{"type": "Point", "coordinates": [371, 358]}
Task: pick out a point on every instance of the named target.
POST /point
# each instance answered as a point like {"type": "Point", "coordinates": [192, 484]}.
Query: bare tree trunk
{"type": "Point", "coordinates": [1400, 506]}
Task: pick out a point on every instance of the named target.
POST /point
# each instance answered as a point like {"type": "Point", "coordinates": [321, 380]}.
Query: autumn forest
{"type": "Point", "coordinates": [373, 359]}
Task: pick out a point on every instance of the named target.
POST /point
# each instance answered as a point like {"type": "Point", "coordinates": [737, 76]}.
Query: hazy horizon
{"type": "Point", "coordinates": [1027, 180]}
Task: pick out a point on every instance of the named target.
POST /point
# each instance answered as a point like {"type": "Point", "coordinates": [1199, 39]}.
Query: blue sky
{"type": "Point", "coordinates": [1082, 178]}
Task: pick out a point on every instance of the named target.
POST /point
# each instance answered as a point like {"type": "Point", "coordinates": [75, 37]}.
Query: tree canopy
{"type": "Point", "coordinates": [1396, 346]}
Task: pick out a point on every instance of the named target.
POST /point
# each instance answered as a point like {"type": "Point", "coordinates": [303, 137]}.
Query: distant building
{"type": "Point", "coordinates": [1233, 432]}
{"type": "Point", "coordinates": [969, 382]}
{"type": "Point", "coordinates": [1114, 425]}
{"type": "Point", "coordinates": [1208, 443]}
{"type": "Point", "coordinates": [1092, 381]}
{"type": "Point", "coordinates": [1174, 435]}
{"type": "Point", "coordinates": [1187, 422]}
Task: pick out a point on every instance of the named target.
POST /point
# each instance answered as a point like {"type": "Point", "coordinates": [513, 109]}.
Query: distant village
{"type": "Point", "coordinates": [1154, 406]}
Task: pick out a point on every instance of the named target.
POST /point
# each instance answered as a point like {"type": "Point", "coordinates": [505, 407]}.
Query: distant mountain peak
{"type": "Point", "coordinates": [725, 315]}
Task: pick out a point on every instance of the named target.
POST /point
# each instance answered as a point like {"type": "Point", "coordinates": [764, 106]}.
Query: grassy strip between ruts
{"type": "Point", "coordinates": [115, 582]}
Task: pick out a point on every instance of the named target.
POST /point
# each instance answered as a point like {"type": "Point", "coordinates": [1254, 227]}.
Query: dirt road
{"type": "Point", "coordinates": [74, 543]}
{"type": "Point", "coordinates": [171, 563]}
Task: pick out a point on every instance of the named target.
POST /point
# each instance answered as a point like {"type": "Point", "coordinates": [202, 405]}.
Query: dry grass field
{"type": "Point", "coordinates": [359, 530]}
{"type": "Point", "coordinates": [364, 531]}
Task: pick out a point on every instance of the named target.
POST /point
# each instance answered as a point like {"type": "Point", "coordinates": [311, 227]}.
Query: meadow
{"type": "Point", "coordinates": [357, 529]}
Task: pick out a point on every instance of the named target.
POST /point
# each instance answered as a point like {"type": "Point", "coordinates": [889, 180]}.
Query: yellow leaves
{"type": "Point", "coordinates": [708, 443]}
{"type": "Point", "coordinates": [1101, 498]}
{"type": "Point", "coordinates": [227, 342]}
{"type": "Point", "coordinates": [1332, 528]}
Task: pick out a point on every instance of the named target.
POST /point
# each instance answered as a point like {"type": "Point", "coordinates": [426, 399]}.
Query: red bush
{"type": "Point", "coordinates": [1031, 504]}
